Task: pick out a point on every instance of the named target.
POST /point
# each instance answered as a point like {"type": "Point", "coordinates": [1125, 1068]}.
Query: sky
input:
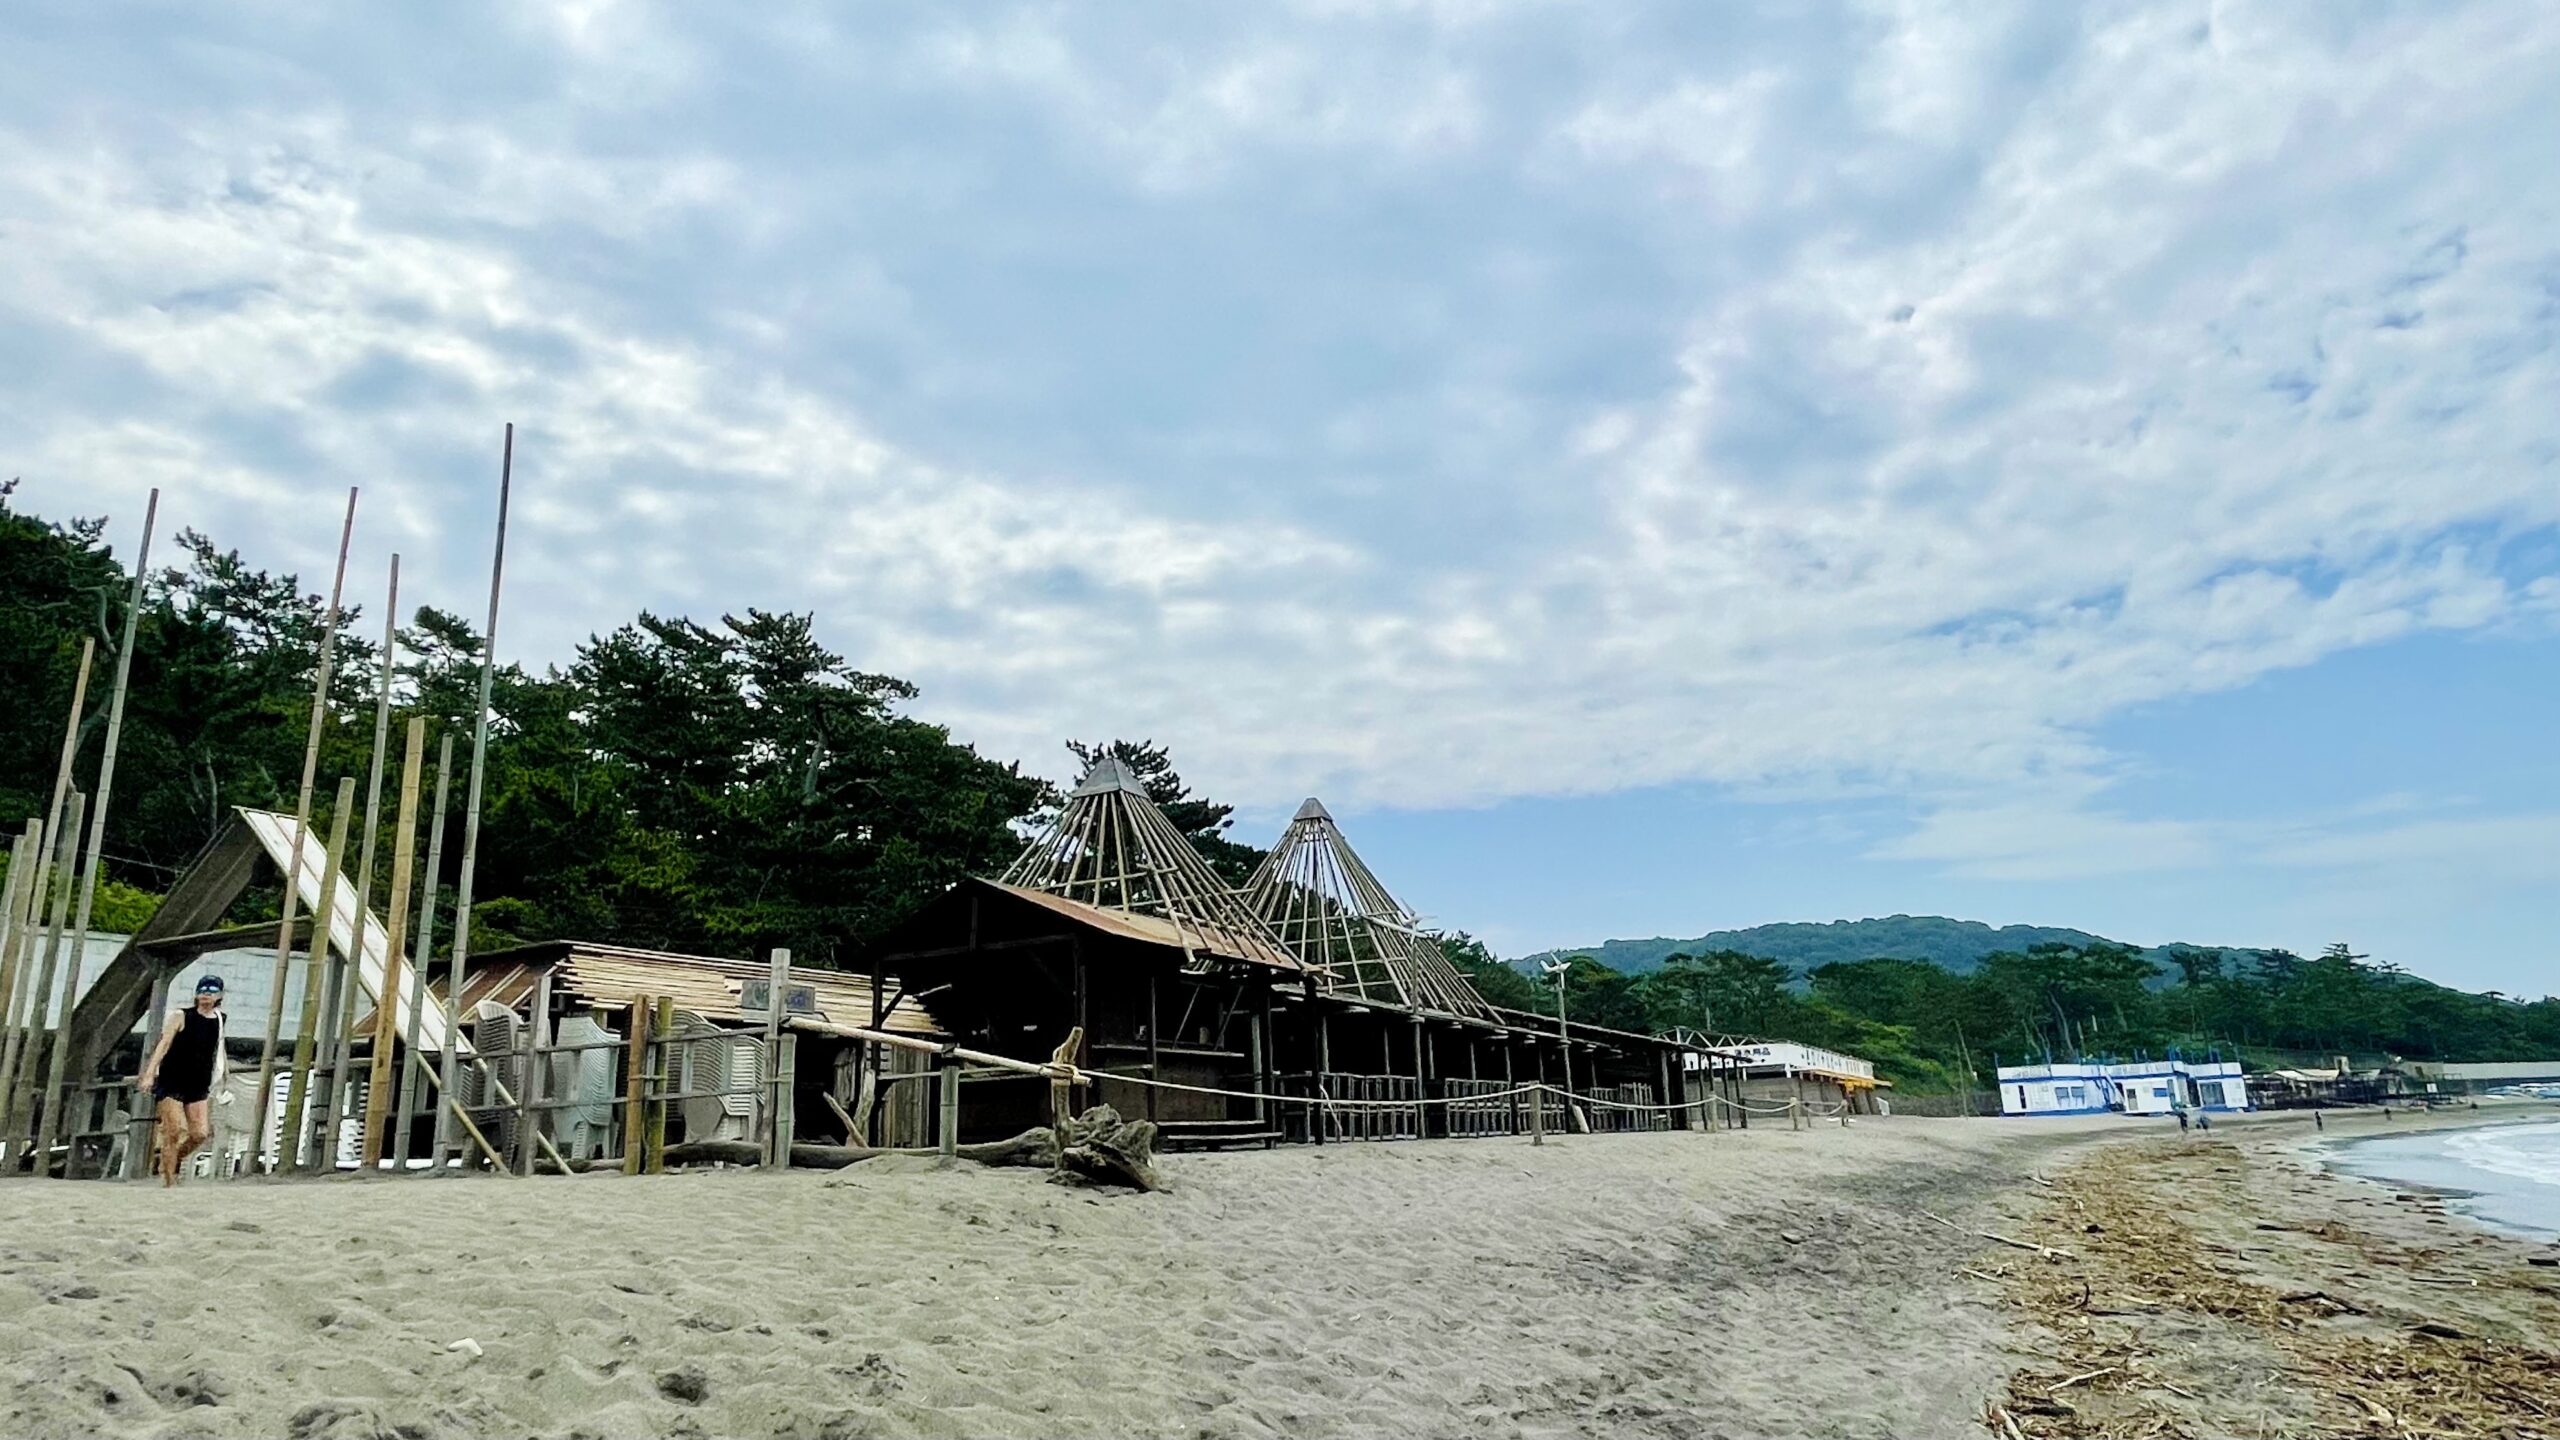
{"type": "Point", "coordinates": [1651, 468]}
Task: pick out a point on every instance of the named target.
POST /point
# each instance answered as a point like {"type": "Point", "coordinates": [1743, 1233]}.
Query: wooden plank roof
{"type": "Point", "coordinates": [612, 976]}
{"type": "Point", "coordinates": [1189, 936]}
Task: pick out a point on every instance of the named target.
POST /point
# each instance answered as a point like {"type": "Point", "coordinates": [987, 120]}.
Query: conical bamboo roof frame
{"type": "Point", "coordinates": [1112, 848]}
{"type": "Point", "coordinates": [1326, 906]}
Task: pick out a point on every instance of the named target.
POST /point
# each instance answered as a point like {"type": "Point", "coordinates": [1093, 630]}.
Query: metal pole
{"type": "Point", "coordinates": [415, 1068]}
{"type": "Point", "coordinates": [479, 770]}
{"type": "Point", "coordinates": [301, 834]}
{"type": "Point", "coordinates": [347, 974]}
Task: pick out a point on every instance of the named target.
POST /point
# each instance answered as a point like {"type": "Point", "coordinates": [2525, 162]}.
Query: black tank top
{"type": "Point", "coordinates": [190, 1057]}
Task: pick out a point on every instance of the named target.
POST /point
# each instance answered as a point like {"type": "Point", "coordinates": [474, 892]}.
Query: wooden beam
{"type": "Point", "coordinates": [940, 952]}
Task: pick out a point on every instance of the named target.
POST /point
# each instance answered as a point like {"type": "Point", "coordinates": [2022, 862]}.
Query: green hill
{"type": "Point", "coordinates": [1802, 946]}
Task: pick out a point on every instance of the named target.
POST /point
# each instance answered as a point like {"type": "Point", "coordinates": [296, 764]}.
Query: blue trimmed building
{"type": "Point", "coordinates": [2131, 1087]}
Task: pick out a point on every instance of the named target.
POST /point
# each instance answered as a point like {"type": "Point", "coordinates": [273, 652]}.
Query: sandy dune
{"type": "Point", "coordinates": [1760, 1284]}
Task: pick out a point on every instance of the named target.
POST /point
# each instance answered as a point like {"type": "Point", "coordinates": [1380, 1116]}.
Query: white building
{"type": "Point", "coordinates": [2134, 1087]}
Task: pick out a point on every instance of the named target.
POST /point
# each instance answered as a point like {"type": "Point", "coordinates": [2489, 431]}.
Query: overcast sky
{"type": "Point", "coordinates": [1650, 468]}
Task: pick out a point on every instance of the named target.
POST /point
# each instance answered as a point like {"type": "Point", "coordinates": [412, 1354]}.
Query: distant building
{"type": "Point", "coordinates": [1775, 1072]}
{"type": "Point", "coordinates": [2133, 1087]}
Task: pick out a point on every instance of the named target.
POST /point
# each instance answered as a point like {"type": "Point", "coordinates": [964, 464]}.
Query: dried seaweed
{"type": "Point", "coordinates": [2122, 1310]}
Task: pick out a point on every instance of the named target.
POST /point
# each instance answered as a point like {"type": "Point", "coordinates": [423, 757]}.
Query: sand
{"type": "Point", "coordinates": [1769, 1283]}
{"type": "Point", "coordinates": [2231, 1285]}
{"type": "Point", "coordinates": [1600, 1285]}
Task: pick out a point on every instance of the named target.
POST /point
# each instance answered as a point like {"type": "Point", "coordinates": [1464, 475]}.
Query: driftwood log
{"type": "Point", "coordinates": [1097, 1146]}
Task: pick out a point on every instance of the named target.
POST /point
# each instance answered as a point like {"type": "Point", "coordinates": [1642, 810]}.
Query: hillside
{"type": "Point", "coordinates": [1802, 946]}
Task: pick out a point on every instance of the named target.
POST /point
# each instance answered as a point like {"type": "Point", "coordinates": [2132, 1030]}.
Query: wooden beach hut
{"type": "Point", "coordinates": [1110, 932]}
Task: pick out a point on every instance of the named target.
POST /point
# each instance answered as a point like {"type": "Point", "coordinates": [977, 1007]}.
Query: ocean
{"type": "Point", "coordinates": [2504, 1176]}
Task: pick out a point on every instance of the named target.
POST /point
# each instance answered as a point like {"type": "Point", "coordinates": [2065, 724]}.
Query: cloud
{"type": "Point", "coordinates": [1422, 404]}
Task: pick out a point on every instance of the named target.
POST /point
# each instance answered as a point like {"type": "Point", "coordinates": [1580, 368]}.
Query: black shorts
{"type": "Point", "coordinates": [185, 1092]}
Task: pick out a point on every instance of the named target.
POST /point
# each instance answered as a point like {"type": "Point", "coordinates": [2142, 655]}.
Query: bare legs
{"type": "Point", "coordinates": [182, 1131]}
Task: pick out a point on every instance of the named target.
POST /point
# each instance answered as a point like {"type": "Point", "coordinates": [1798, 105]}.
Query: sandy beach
{"type": "Point", "coordinates": [1768, 1283]}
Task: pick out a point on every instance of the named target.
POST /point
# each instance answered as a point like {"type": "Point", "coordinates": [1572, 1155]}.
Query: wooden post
{"type": "Point", "coordinates": [1676, 1119]}
{"type": "Point", "coordinates": [421, 961]}
{"type": "Point", "coordinates": [867, 1093]}
{"type": "Point", "coordinates": [1509, 1083]}
{"type": "Point", "coordinates": [479, 760]}
{"type": "Point", "coordinates": [1538, 1111]}
{"type": "Point", "coordinates": [386, 1025]}
{"type": "Point", "coordinates": [50, 857]}
{"type": "Point", "coordinates": [1320, 1114]}
{"type": "Point", "coordinates": [1421, 1082]}
{"type": "Point", "coordinates": [947, 1079]}
{"type": "Point", "coordinates": [57, 905]}
{"type": "Point", "coordinates": [662, 1034]}
{"type": "Point", "coordinates": [302, 829]}
{"type": "Point", "coordinates": [786, 1077]}
{"type": "Point", "coordinates": [537, 1037]}
{"type": "Point", "coordinates": [635, 1082]}
{"type": "Point", "coordinates": [13, 927]}
{"type": "Point", "coordinates": [337, 1046]}
{"type": "Point", "coordinates": [1155, 1064]}
{"type": "Point", "coordinates": [58, 1074]}
{"type": "Point", "coordinates": [1265, 1043]}
{"type": "Point", "coordinates": [323, 932]}
{"type": "Point", "coordinates": [769, 1107]}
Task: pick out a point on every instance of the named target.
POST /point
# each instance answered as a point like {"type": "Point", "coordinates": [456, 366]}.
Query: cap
{"type": "Point", "coordinates": [209, 985]}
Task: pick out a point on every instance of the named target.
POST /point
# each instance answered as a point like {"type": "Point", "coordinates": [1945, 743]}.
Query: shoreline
{"type": "Point", "coordinates": [2234, 1284]}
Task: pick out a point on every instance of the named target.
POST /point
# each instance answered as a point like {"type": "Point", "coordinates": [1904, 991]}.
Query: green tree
{"type": "Point", "coordinates": [1499, 984]}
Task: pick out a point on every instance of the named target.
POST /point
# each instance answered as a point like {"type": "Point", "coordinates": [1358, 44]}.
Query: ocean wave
{"type": "Point", "coordinates": [2519, 1152]}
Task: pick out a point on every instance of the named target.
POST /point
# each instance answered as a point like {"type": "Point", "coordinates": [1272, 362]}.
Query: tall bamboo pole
{"type": "Point", "coordinates": [20, 1044]}
{"type": "Point", "coordinates": [13, 925]}
{"type": "Point", "coordinates": [86, 884]}
{"type": "Point", "coordinates": [479, 770]}
{"type": "Point", "coordinates": [386, 1010]}
{"type": "Point", "coordinates": [412, 1069]}
{"type": "Point", "coordinates": [58, 910]}
{"type": "Point", "coordinates": [324, 916]}
{"type": "Point", "coordinates": [302, 829]}
{"type": "Point", "coordinates": [346, 975]}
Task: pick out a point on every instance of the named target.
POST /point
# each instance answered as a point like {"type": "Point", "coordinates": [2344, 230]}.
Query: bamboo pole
{"type": "Point", "coordinates": [479, 760]}
{"type": "Point", "coordinates": [635, 1080]}
{"type": "Point", "coordinates": [386, 1012]}
{"type": "Point", "coordinates": [58, 1074]}
{"type": "Point", "coordinates": [662, 1033]}
{"type": "Point", "coordinates": [57, 908]}
{"type": "Point", "coordinates": [413, 1068]}
{"type": "Point", "coordinates": [537, 1038]}
{"type": "Point", "coordinates": [347, 972]}
{"type": "Point", "coordinates": [21, 1041]}
{"type": "Point", "coordinates": [289, 1139]}
{"type": "Point", "coordinates": [769, 1106]}
{"type": "Point", "coordinates": [22, 874]}
{"type": "Point", "coordinates": [301, 832]}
